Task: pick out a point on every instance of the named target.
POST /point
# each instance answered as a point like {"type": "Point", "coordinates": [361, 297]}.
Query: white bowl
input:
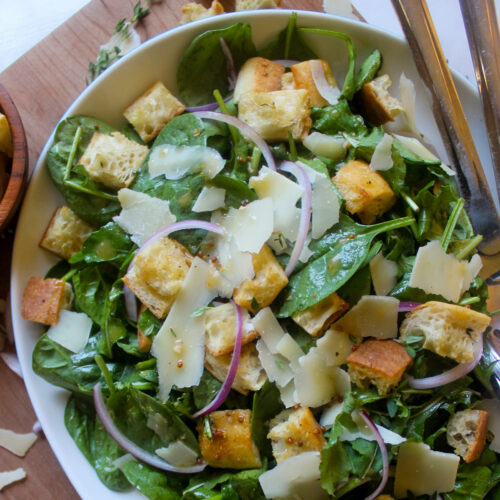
{"type": "Point", "coordinates": [105, 99]}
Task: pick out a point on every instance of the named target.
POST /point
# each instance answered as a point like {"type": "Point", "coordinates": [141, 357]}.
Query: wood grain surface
{"type": "Point", "coordinates": [43, 83]}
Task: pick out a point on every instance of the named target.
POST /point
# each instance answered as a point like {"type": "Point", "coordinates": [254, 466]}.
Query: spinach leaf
{"type": "Point", "coordinates": [203, 67]}
{"type": "Point", "coordinates": [94, 210]}
{"type": "Point", "coordinates": [338, 118]}
{"type": "Point", "coordinates": [342, 252]}
{"type": "Point", "coordinates": [288, 44]}
{"type": "Point", "coordinates": [237, 191]}
{"type": "Point", "coordinates": [471, 483]}
{"type": "Point", "coordinates": [368, 69]}
{"type": "Point", "coordinates": [149, 324]}
{"type": "Point", "coordinates": [98, 447]}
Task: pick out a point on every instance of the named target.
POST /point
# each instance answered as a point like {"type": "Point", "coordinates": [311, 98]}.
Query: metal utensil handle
{"type": "Point", "coordinates": [480, 19]}
{"type": "Point", "coordinates": [450, 117]}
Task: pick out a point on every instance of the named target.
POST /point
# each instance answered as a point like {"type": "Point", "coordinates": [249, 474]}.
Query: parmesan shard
{"type": "Point", "coordinates": [270, 330]}
{"type": "Point", "coordinates": [209, 199]}
{"type": "Point", "coordinates": [335, 346]}
{"type": "Point", "coordinates": [329, 416]}
{"type": "Point", "coordinates": [11, 476]}
{"type": "Point", "coordinates": [437, 272]}
{"type": "Point", "coordinates": [365, 432]}
{"type": "Point", "coordinates": [178, 454]}
{"type": "Point", "coordinates": [384, 274]}
{"type": "Point", "coordinates": [276, 366]}
{"type": "Point", "coordinates": [408, 96]}
{"type": "Point", "coordinates": [288, 395]}
{"type": "Point", "coordinates": [330, 146]}
{"type": "Point", "coordinates": [142, 215]}
{"type": "Point", "coordinates": [382, 155]}
{"type": "Point", "coordinates": [372, 316]}
{"type": "Point", "coordinates": [424, 471]}
{"type": "Point", "coordinates": [72, 331]}
{"type": "Point", "coordinates": [179, 345]}
{"type": "Point", "coordinates": [19, 444]}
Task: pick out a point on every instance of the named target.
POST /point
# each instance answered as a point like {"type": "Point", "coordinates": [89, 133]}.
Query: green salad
{"type": "Point", "coordinates": [265, 291]}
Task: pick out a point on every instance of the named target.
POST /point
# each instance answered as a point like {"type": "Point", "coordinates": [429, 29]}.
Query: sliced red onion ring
{"type": "Point", "coordinates": [233, 368]}
{"type": "Point", "coordinates": [286, 62]}
{"type": "Point", "coordinates": [383, 451]}
{"type": "Point", "coordinates": [10, 359]}
{"type": "Point", "coordinates": [130, 303]}
{"type": "Point", "coordinates": [245, 129]}
{"type": "Point", "coordinates": [327, 92]}
{"type": "Point", "coordinates": [130, 446]}
{"type": "Point", "coordinates": [305, 212]}
{"type": "Point", "coordinates": [207, 107]}
{"type": "Point", "coordinates": [408, 306]}
{"type": "Point", "coordinates": [448, 376]}
{"type": "Point", "coordinates": [231, 70]}
{"type": "Point", "coordinates": [178, 226]}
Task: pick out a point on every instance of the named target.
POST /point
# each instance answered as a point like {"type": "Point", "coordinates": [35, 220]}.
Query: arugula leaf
{"type": "Point", "coordinates": [338, 118]}
{"type": "Point", "coordinates": [368, 69]}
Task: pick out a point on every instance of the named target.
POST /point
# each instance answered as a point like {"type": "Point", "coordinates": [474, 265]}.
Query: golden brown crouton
{"type": "Point", "coordinates": [379, 106]}
{"type": "Point", "coordinates": [220, 329]}
{"type": "Point", "coordinates": [287, 81]}
{"type": "Point", "coordinates": [268, 282]}
{"type": "Point", "coordinates": [44, 299]}
{"type": "Point", "coordinates": [250, 375]}
{"type": "Point", "coordinates": [150, 112]}
{"type": "Point", "coordinates": [113, 159]}
{"type": "Point", "coordinates": [5, 136]}
{"type": "Point", "coordinates": [273, 114]}
{"type": "Point", "coordinates": [293, 432]}
{"type": "Point", "coordinates": [230, 444]}
{"type": "Point", "coordinates": [193, 11]}
{"type": "Point", "coordinates": [448, 330]}
{"type": "Point", "coordinates": [466, 432]}
{"type": "Point", "coordinates": [303, 80]}
{"type": "Point", "coordinates": [256, 4]}
{"type": "Point", "coordinates": [378, 362]}
{"type": "Point", "coordinates": [316, 319]}
{"type": "Point", "coordinates": [65, 233]}
{"type": "Point", "coordinates": [365, 191]}
{"type": "Point", "coordinates": [258, 75]}
{"type": "Point", "coordinates": [157, 274]}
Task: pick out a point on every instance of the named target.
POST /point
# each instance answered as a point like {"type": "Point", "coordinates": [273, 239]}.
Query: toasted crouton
{"type": "Point", "coordinates": [250, 375]}
{"type": "Point", "coordinates": [273, 114]}
{"type": "Point", "coordinates": [316, 319]}
{"type": "Point", "coordinates": [113, 159]}
{"type": "Point", "coordinates": [230, 444]}
{"type": "Point", "coordinates": [293, 432]}
{"type": "Point", "coordinates": [150, 112]}
{"type": "Point", "coordinates": [379, 106]}
{"type": "Point", "coordinates": [268, 282]}
{"type": "Point", "coordinates": [466, 432]}
{"type": "Point", "coordinates": [378, 362]}
{"type": "Point", "coordinates": [44, 299]}
{"type": "Point", "coordinates": [287, 81]}
{"type": "Point", "coordinates": [258, 75]}
{"type": "Point", "coordinates": [157, 274]}
{"type": "Point", "coordinates": [220, 329]}
{"type": "Point", "coordinates": [65, 233]}
{"type": "Point", "coordinates": [193, 11]}
{"type": "Point", "coordinates": [5, 136]}
{"type": "Point", "coordinates": [449, 330]}
{"type": "Point", "coordinates": [257, 4]}
{"type": "Point", "coordinates": [365, 191]}
{"type": "Point", "coordinates": [304, 80]}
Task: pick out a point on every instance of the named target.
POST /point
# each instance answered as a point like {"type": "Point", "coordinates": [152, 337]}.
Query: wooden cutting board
{"type": "Point", "coordinates": [43, 83]}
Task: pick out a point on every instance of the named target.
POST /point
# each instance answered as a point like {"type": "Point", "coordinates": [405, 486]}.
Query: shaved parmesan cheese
{"type": "Point", "coordinates": [277, 367]}
{"type": "Point", "coordinates": [210, 198]}
{"type": "Point", "coordinates": [270, 330]}
{"type": "Point", "coordinates": [492, 406]}
{"type": "Point", "coordinates": [437, 272]}
{"type": "Point", "coordinates": [423, 471]}
{"type": "Point", "coordinates": [408, 95]}
{"type": "Point", "coordinates": [335, 346]}
{"type": "Point", "coordinates": [285, 195]}
{"type": "Point", "coordinates": [325, 202]}
{"type": "Point", "coordinates": [178, 454]}
{"type": "Point", "coordinates": [72, 331]}
{"type": "Point", "coordinates": [121, 461]}
{"type": "Point", "coordinates": [330, 146]}
{"type": "Point", "coordinates": [382, 156]}
{"type": "Point", "coordinates": [289, 348]}
{"type": "Point", "coordinates": [288, 395]}
{"type": "Point", "coordinates": [142, 215]}
{"type": "Point", "coordinates": [179, 344]}
{"type": "Point", "coordinates": [306, 251]}
{"type": "Point", "coordinates": [16, 443]}
{"type": "Point", "coordinates": [297, 477]}
{"type": "Point", "coordinates": [372, 316]}
{"type": "Point", "coordinates": [11, 476]}
{"type": "Point", "coordinates": [316, 382]}
{"type": "Point", "coordinates": [365, 432]}
{"type": "Point", "coordinates": [415, 146]}
{"type": "Point", "coordinates": [329, 416]}
{"type": "Point", "coordinates": [384, 274]}
{"type": "Point", "coordinates": [174, 162]}
{"type": "Point", "coordinates": [277, 243]}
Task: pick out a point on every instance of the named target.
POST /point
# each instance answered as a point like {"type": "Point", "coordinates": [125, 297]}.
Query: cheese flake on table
{"type": "Point", "coordinates": [72, 331]}
{"type": "Point", "coordinates": [179, 346]}
{"type": "Point", "coordinates": [437, 272]}
{"type": "Point", "coordinates": [19, 444]}
{"type": "Point", "coordinates": [11, 476]}
{"type": "Point", "coordinates": [209, 199]}
{"type": "Point", "coordinates": [142, 215]}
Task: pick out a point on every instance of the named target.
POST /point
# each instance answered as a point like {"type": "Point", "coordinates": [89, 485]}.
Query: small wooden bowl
{"type": "Point", "coordinates": [11, 198]}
